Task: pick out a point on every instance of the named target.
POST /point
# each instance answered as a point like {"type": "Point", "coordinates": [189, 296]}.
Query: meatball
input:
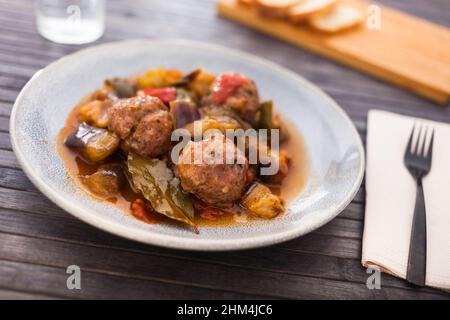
{"type": "Point", "coordinates": [207, 174]}
{"type": "Point", "coordinates": [152, 135]}
{"type": "Point", "coordinates": [143, 123]}
{"type": "Point", "coordinates": [125, 114]}
{"type": "Point", "coordinates": [236, 92]}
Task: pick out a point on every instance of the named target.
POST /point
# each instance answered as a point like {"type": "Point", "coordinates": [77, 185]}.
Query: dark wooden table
{"type": "Point", "coordinates": [38, 240]}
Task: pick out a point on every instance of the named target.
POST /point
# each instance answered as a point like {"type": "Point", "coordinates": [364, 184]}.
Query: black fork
{"type": "Point", "coordinates": [418, 161]}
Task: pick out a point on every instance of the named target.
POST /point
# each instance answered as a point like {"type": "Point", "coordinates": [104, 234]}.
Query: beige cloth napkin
{"type": "Point", "coordinates": [390, 199]}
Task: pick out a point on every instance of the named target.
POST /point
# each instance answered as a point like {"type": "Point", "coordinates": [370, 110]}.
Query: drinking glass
{"type": "Point", "coordinates": [70, 21]}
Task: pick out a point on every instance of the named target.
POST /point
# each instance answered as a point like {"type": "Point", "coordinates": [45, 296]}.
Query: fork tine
{"type": "Point", "coordinates": [430, 147]}
{"type": "Point", "coordinates": [417, 144]}
{"type": "Point", "coordinates": [409, 146]}
{"type": "Point", "coordinates": [421, 152]}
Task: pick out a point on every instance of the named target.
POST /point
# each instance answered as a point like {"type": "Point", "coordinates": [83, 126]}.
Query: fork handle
{"type": "Point", "coordinates": [418, 245]}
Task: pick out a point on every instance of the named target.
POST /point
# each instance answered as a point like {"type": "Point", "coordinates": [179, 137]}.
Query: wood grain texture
{"type": "Point", "coordinates": [410, 52]}
{"type": "Point", "coordinates": [38, 240]}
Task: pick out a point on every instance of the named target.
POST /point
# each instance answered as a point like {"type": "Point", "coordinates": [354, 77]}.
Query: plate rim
{"type": "Point", "coordinates": [173, 241]}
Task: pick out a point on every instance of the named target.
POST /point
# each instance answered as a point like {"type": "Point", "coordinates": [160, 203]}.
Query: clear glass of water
{"type": "Point", "coordinates": [70, 21]}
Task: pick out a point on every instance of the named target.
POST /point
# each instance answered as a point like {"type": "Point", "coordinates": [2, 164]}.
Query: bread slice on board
{"type": "Point", "coordinates": [275, 8]}
{"type": "Point", "coordinates": [342, 17]}
{"type": "Point", "coordinates": [306, 9]}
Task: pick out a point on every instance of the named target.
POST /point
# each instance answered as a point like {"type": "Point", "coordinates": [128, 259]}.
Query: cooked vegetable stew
{"type": "Point", "coordinates": [117, 144]}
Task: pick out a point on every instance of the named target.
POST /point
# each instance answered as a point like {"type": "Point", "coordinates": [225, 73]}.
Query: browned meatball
{"type": "Point", "coordinates": [211, 179]}
{"type": "Point", "coordinates": [236, 92]}
{"type": "Point", "coordinates": [152, 135]}
{"type": "Point", "coordinates": [125, 114]}
{"type": "Point", "coordinates": [143, 123]}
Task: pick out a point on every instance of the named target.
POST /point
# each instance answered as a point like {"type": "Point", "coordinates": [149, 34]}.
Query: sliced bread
{"type": "Point", "coordinates": [275, 8]}
{"type": "Point", "coordinates": [343, 16]}
{"type": "Point", "coordinates": [308, 8]}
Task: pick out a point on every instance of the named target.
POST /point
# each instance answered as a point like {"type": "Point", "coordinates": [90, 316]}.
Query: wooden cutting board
{"type": "Point", "coordinates": [408, 51]}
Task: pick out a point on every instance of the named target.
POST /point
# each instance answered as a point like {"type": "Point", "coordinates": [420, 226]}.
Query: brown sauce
{"type": "Point", "coordinates": [291, 186]}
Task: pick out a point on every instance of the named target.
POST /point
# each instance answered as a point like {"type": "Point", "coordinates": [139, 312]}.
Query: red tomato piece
{"type": "Point", "coordinates": [143, 211]}
{"type": "Point", "coordinates": [165, 94]}
{"type": "Point", "coordinates": [225, 85]}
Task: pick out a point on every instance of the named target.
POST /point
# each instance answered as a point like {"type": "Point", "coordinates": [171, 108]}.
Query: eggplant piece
{"type": "Point", "coordinates": [188, 78]}
{"type": "Point", "coordinates": [106, 181]}
{"type": "Point", "coordinates": [94, 144]}
{"type": "Point", "coordinates": [184, 112]}
{"type": "Point", "coordinates": [157, 184]}
{"type": "Point", "coordinates": [122, 87]}
{"type": "Point", "coordinates": [260, 201]}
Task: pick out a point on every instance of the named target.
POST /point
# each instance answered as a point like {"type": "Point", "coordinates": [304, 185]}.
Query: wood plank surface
{"type": "Point", "coordinates": [405, 50]}
{"type": "Point", "coordinates": [38, 240]}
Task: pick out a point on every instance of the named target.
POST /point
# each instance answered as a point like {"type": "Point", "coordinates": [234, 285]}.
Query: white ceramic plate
{"type": "Point", "coordinates": [334, 148]}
